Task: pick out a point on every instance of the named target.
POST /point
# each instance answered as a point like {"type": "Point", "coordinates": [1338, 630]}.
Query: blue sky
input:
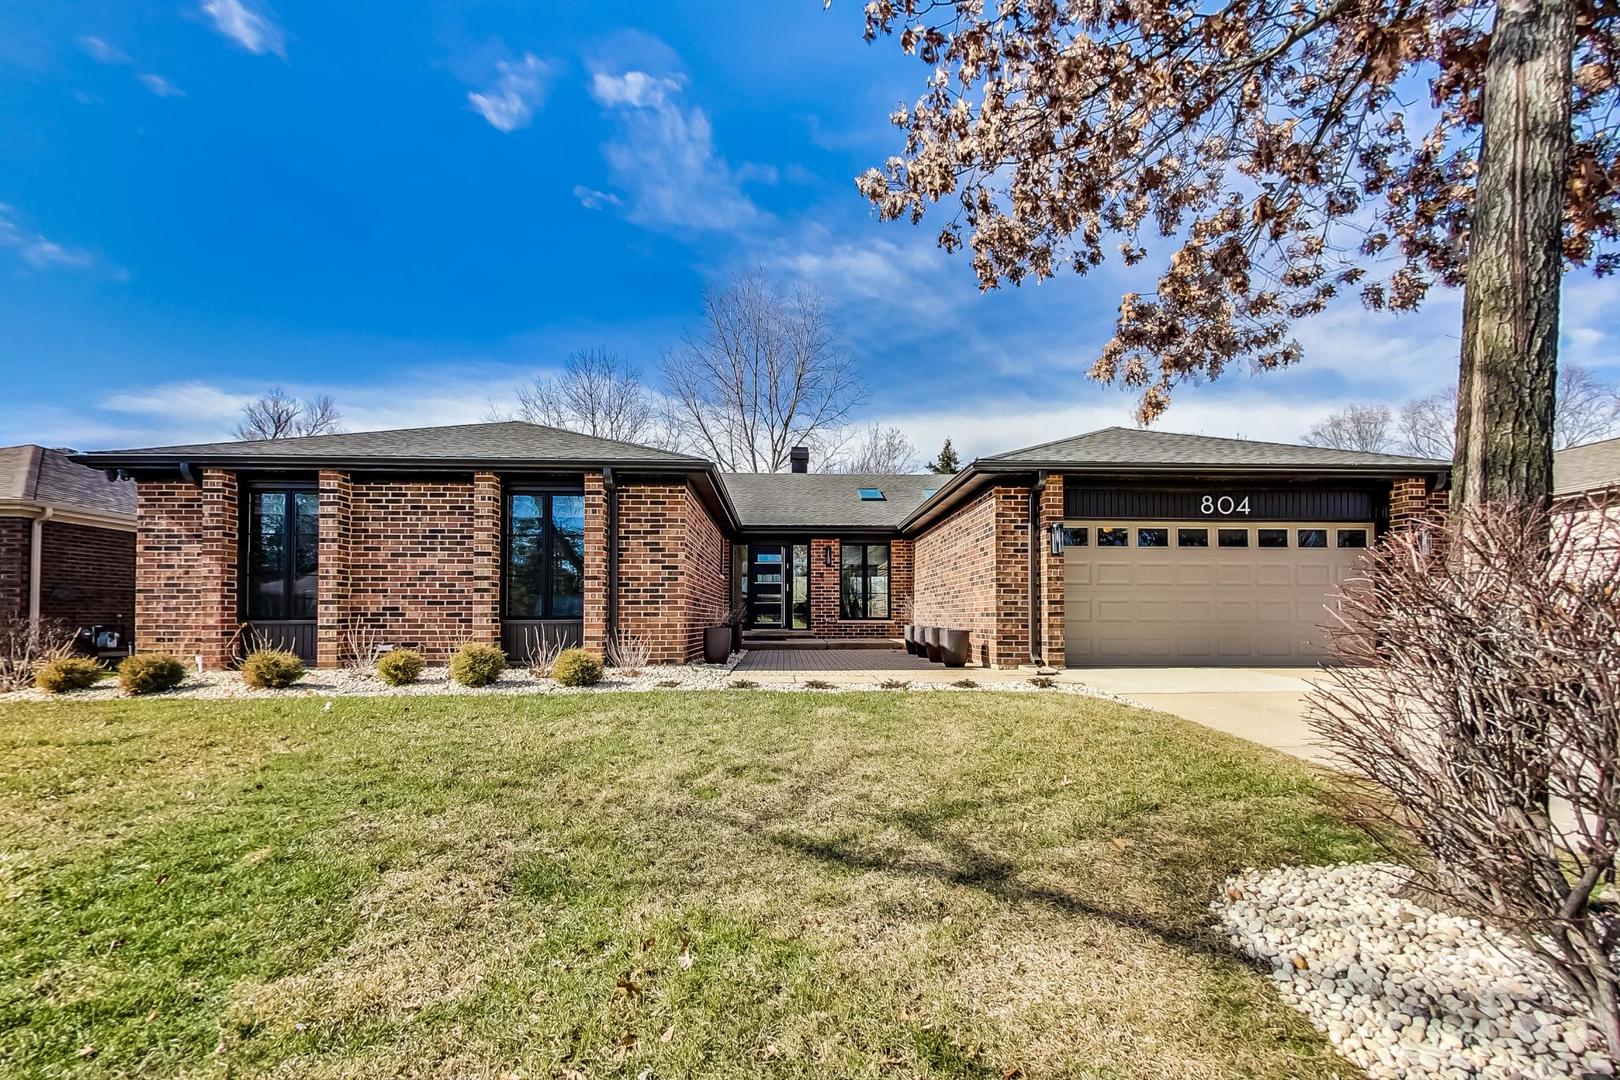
{"type": "Point", "coordinates": [413, 205]}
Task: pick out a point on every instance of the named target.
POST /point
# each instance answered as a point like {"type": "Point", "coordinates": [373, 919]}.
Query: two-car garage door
{"type": "Point", "coordinates": [1211, 593]}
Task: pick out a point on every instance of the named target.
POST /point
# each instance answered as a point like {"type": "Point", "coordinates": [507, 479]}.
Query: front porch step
{"type": "Point", "coordinates": [767, 644]}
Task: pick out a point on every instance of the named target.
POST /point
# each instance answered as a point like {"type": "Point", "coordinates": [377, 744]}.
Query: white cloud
{"type": "Point", "coordinates": [160, 86]}
{"type": "Point", "coordinates": [520, 87]}
{"type": "Point", "coordinates": [102, 51]}
{"type": "Point", "coordinates": [664, 157]}
{"type": "Point", "coordinates": [39, 251]}
{"type": "Point", "coordinates": [197, 401]}
{"type": "Point", "coordinates": [592, 199]}
{"type": "Point", "coordinates": [248, 26]}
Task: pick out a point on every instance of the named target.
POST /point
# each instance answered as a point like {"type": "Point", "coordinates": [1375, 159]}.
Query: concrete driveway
{"type": "Point", "coordinates": [1263, 705]}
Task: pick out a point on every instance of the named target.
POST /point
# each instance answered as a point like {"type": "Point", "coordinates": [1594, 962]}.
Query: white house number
{"type": "Point", "coordinates": [1224, 505]}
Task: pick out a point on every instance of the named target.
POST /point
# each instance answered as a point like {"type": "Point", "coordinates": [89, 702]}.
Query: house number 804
{"type": "Point", "coordinates": [1224, 505]}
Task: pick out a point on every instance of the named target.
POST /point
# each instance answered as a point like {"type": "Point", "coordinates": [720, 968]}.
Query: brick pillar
{"type": "Point", "coordinates": [594, 631]}
{"type": "Point", "coordinates": [486, 590]}
{"type": "Point", "coordinates": [332, 610]}
{"type": "Point", "coordinates": [825, 606]}
{"type": "Point", "coordinates": [1011, 647]}
{"type": "Point", "coordinates": [901, 583]}
{"type": "Point", "coordinates": [217, 568]}
{"type": "Point", "coordinates": [1408, 502]}
{"type": "Point", "coordinates": [1051, 573]}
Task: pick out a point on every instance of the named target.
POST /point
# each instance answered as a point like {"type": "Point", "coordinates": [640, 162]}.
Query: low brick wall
{"type": "Point", "coordinates": [673, 570]}
{"type": "Point", "coordinates": [972, 573]}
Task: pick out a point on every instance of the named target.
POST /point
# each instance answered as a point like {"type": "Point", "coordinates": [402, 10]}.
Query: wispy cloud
{"type": "Point", "coordinates": [519, 89]}
{"type": "Point", "coordinates": [102, 51]}
{"type": "Point", "coordinates": [592, 199]}
{"type": "Point", "coordinates": [663, 155]}
{"type": "Point", "coordinates": [159, 85]}
{"type": "Point", "coordinates": [41, 252]}
{"type": "Point", "coordinates": [253, 29]}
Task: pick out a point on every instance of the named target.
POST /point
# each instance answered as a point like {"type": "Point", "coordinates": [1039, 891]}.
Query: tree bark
{"type": "Point", "coordinates": [1506, 385]}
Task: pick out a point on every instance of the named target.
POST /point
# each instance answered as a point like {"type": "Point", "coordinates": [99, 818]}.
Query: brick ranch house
{"type": "Point", "coordinates": [67, 542]}
{"type": "Point", "coordinates": [1115, 547]}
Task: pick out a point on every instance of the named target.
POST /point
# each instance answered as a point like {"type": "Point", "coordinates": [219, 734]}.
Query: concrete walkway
{"type": "Point", "coordinates": [1263, 705]}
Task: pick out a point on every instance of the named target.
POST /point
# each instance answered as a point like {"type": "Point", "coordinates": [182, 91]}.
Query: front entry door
{"type": "Point", "coordinates": [768, 576]}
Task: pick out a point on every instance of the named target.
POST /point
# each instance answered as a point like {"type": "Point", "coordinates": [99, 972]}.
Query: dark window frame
{"type": "Point", "coordinates": [866, 579]}
{"type": "Point", "coordinates": [546, 493]}
{"type": "Point", "coordinates": [1153, 530]}
{"type": "Point", "coordinates": [245, 577]}
{"type": "Point", "coordinates": [1269, 538]}
{"type": "Point", "coordinates": [1340, 534]}
{"type": "Point", "coordinates": [1300, 541]}
{"type": "Point", "coordinates": [1113, 536]}
{"type": "Point", "coordinates": [1183, 533]}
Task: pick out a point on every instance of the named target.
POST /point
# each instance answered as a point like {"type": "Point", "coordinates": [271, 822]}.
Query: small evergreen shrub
{"type": "Point", "coordinates": [400, 667]}
{"type": "Point", "coordinates": [817, 684]}
{"type": "Point", "coordinates": [576, 667]}
{"type": "Point", "coordinates": [271, 669]}
{"type": "Point", "coordinates": [148, 673]}
{"type": "Point", "coordinates": [477, 664]}
{"type": "Point", "coordinates": [66, 673]}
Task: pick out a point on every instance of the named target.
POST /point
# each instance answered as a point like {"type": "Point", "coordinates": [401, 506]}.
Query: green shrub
{"type": "Point", "coordinates": [400, 667]}
{"type": "Point", "coordinates": [271, 669]}
{"type": "Point", "coordinates": [147, 673]}
{"type": "Point", "coordinates": [477, 664]}
{"type": "Point", "coordinates": [66, 673]}
{"type": "Point", "coordinates": [576, 667]}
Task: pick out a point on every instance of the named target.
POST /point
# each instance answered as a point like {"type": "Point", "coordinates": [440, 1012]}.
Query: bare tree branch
{"type": "Point", "coordinates": [595, 394]}
{"type": "Point", "coordinates": [1358, 427]}
{"type": "Point", "coordinates": [880, 450]}
{"type": "Point", "coordinates": [275, 415]}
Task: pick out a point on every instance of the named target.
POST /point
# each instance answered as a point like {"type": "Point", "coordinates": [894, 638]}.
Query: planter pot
{"type": "Point", "coordinates": [736, 637]}
{"type": "Point", "coordinates": [716, 644]}
{"type": "Point", "coordinates": [953, 647]}
{"type": "Point", "coordinates": [931, 635]}
{"type": "Point", "coordinates": [910, 637]}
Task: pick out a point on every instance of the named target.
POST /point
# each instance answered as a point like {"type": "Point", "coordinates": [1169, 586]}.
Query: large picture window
{"type": "Point", "coordinates": [864, 588]}
{"type": "Point", "coordinates": [284, 528]}
{"type": "Point", "coordinates": [545, 555]}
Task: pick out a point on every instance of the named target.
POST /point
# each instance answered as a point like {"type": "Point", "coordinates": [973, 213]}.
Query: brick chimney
{"type": "Point", "coordinates": [800, 456]}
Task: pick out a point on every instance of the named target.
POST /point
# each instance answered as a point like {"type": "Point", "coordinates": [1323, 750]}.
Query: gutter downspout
{"type": "Point", "coordinates": [611, 487]}
{"type": "Point", "coordinates": [1034, 591]}
{"type": "Point", "coordinates": [36, 546]}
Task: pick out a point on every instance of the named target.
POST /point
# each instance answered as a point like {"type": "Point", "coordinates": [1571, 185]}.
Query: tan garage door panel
{"type": "Point", "coordinates": [1203, 605]}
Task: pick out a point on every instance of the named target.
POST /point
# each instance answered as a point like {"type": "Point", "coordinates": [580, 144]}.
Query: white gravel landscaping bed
{"type": "Point", "coordinates": [1400, 990]}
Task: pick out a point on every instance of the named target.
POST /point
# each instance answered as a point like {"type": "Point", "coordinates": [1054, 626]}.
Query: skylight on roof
{"type": "Point", "coordinates": [928, 493]}
{"type": "Point", "coordinates": [872, 495]}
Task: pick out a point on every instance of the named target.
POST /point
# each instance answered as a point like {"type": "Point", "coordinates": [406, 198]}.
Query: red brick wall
{"type": "Point", "coordinates": [593, 629]}
{"type": "Point", "coordinates": [87, 575]}
{"type": "Point", "coordinates": [333, 550]}
{"type": "Point", "coordinates": [972, 573]}
{"type": "Point", "coordinates": [826, 607]}
{"type": "Point", "coordinates": [1051, 574]}
{"type": "Point", "coordinates": [14, 567]}
{"type": "Point", "coordinates": [1411, 502]}
{"type": "Point", "coordinates": [185, 567]}
{"type": "Point", "coordinates": [673, 570]}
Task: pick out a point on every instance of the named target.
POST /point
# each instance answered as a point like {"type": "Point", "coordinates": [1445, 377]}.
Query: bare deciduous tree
{"type": "Point", "coordinates": [1428, 426]}
{"type": "Point", "coordinates": [1481, 690]}
{"type": "Point", "coordinates": [765, 373]}
{"type": "Point", "coordinates": [1357, 427]}
{"type": "Point", "coordinates": [275, 415]}
{"type": "Point", "coordinates": [1588, 409]}
{"type": "Point", "coordinates": [1275, 148]}
{"type": "Point", "coordinates": [880, 449]}
{"type": "Point", "coordinates": [595, 393]}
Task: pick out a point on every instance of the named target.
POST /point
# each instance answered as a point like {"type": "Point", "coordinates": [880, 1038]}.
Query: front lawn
{"type": "Point", "coordinates": [697, 884]}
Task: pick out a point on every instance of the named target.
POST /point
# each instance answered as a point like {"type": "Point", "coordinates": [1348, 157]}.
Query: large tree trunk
{"type": "Point", "coordinates": [1505, 392]}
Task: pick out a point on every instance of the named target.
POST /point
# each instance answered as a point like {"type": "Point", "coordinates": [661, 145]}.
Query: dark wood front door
{"type": "Point", "coordinates": [769, 578]}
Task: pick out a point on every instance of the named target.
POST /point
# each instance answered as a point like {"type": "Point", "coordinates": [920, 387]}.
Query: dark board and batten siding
{"type": "Point", "coordinates": [1197, 504]}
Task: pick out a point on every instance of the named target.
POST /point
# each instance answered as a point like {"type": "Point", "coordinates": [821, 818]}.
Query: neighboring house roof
{"type": "Point", "coordinates": [790, 500]}
{"type": "Point", "coordinates": [41, 476]}
{"type": "Point", "coordinates": [1593, 467]}
{"type": "Point", "coordinates": [511, 441]}
{"type": "Point", "coordinates": [1137, 446]}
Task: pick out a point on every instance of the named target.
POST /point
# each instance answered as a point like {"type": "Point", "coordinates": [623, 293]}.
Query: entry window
{"type": "Point", "coordinates": [1271, 538]}
{"type": "Point", "coordinates": [801, 587]}
{"type": "Point", "coordinates": [1113, 538]}
{"type": "Point", "coordinates": [1192, 538]}
{"type": "Point", "coordinates": [864, 591]}
{"type": "Point", "coordinates": [283, 538]}
{"type": "Point", "coordinates": [545, 555]}
{"type": "Point", "coordinates": [1352, 538]}
{"type": "Point", "coordinates": [1152, 537]}
{"type": "Point", "coordinates": [1313, 538]}
{"type": "Point", "coordinates": [1232, 537]}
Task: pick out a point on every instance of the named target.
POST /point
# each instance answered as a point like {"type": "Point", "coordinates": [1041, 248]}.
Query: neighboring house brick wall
{"type": "Point", "coordinates": [826, 602]}
{"type": "Point", "coordinates": [14, 567]}
{"type": "Point", "coordinates": [185, 567]}
{"type": "Point", "coordinates": [673, 570]}
{"type": "Point", "coordinates": [972, 573]}
{"type": "Point", "coordinates": [87, 576]}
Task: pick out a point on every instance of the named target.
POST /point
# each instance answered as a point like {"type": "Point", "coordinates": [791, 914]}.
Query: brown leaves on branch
{"type": "Point", "coordinates": [1284, 149]}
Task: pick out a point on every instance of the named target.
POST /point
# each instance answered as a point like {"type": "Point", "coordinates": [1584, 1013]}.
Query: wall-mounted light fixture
{"type": "Point", "coordinates": [1056, 536]}
{"type": "Point", "coordinates": [827, 555]}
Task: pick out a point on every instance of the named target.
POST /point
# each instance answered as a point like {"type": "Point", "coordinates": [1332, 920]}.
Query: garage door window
{"type": "Point", "coordinates": [1352, 538]}
{"type": "Point", "coordinates": [1113, 538]}
{"type": "Point", "coordinates": [1152, 537]}
{"type": "Point", "coordinates": [1313, 538]}
{"type": "Point", "coordinates": [1192, 538]}
{"type": "Point", "coordinates": [1271, 538]}
{"type": "Point", "coordinates": [1232, 537]}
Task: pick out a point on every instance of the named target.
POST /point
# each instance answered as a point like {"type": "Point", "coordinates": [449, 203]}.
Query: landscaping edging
{"type": "Point", "coordinates": [1400, 990]}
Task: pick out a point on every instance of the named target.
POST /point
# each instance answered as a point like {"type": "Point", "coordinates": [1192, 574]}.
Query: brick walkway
{"type": "Point", "coordinates": [781, 661]}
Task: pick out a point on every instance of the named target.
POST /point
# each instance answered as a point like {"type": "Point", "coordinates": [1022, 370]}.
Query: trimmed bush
{"type": "Point", "coordinates": [400, 667]}
{"type": "Point", "coordinates": [66, 673]}
{"type": "Point", "coordinates": [148, 673]}
{"type": "Point", "coordinates": [271, 669]}
{"type": "Point", "coordinates": [477, 664]}
{"type": "Point", "coordinates": [576, 667]}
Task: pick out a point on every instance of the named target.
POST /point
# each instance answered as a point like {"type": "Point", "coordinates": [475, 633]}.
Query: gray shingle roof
{"type": "Point", "coordinates": [793, 500]}
{"type": "Point", "coordinates": [1136, 446]}
{"type": "Point", "coordinates": [1592, 467]}
{"type": "Point", "coordinates": [512, 440]}
{"type": "Point", "coordinates": [43, 476]}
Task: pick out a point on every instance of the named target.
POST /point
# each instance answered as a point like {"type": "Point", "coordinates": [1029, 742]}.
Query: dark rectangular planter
{"type": "Point", "coordinates": [716, 644]}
